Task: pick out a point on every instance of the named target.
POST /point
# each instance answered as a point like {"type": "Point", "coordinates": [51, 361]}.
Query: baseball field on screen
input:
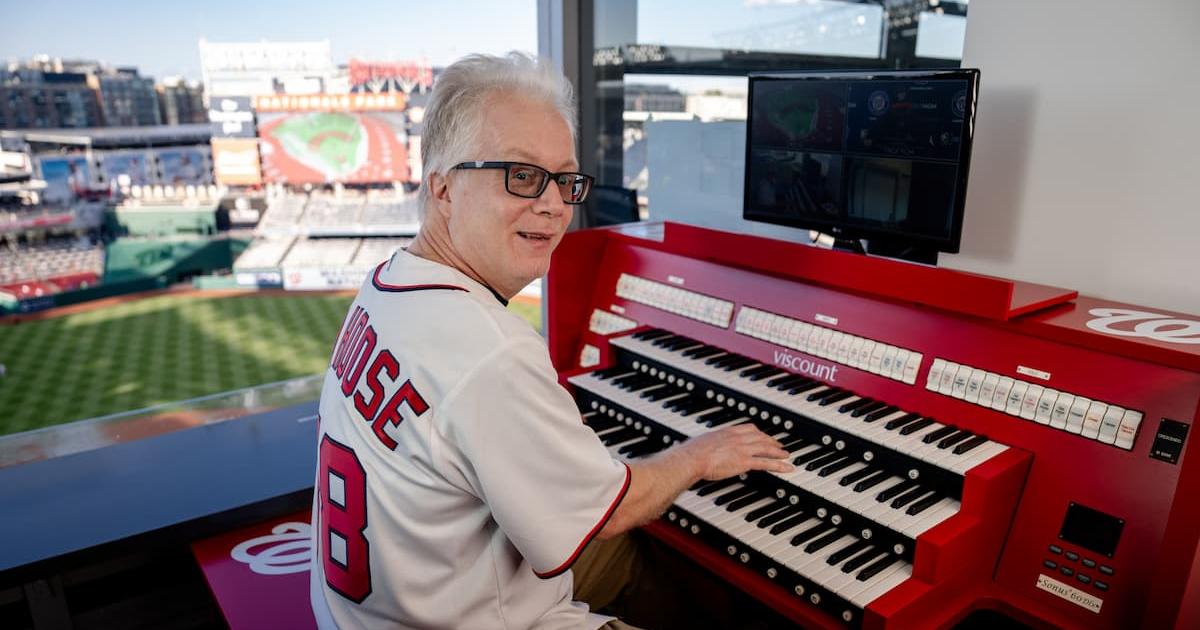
{"type": "Point", "coordinates": [163, 348]}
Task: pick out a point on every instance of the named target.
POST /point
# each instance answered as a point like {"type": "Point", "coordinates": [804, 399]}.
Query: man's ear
{"type": "Point", "coordinates": [439, 188]}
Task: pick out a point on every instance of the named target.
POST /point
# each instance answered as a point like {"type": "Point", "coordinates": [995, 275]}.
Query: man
{"type": "Point", "coordinates": [456, 484]}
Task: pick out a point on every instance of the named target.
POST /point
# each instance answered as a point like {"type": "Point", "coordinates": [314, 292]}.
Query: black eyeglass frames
{"type": "Point", "coordinates": [530, 181]}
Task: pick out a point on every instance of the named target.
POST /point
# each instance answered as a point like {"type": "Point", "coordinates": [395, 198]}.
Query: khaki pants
{"type": "Point", "coordinates": [604, 571]}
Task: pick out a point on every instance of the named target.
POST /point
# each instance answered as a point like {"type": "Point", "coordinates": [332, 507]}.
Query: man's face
{"type": "Point", "coordinates": [506, 239]}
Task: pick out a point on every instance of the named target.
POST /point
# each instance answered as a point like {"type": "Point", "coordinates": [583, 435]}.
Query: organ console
{"type": "Point", "coordinates": [961, 442]}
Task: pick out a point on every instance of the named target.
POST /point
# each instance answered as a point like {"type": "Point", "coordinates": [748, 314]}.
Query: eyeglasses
{"type": "Point", "coordinates": [529, 181]}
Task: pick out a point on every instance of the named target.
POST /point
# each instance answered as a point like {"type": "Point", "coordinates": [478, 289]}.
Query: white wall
{"type": "Point", "coordinates": [1086, 165]}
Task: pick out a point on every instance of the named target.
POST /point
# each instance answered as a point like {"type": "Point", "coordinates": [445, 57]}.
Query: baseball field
{"type": "Point", "coordinates": [163, 348]}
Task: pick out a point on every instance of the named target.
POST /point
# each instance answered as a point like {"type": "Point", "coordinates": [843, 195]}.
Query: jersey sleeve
{"type": "Point", "coordinates": [550, 484]}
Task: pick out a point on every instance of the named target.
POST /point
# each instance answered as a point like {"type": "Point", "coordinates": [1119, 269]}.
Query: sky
{"type": "Point", "coordinates": [160, 37]}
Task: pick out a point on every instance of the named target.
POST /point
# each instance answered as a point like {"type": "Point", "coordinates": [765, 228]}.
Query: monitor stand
{"type": "Point", "coordinates": [888, 249]}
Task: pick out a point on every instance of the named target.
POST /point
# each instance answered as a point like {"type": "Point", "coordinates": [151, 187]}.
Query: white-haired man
{"type": "Point", "coordinates": [456, 484]}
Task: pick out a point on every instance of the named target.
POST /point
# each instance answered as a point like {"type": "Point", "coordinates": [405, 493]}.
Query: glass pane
{"type": "Point", "coordinates": [668, 64]}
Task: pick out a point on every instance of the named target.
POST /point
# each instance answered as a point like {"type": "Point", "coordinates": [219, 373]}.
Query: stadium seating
{"type": "Point", "coordinates": [322, 252]}
{"type": "Point", "coordinates": [375, 250]}
{"type": "Point", "coordinates": [31, 263]}
{"type": "Point", "coordinates": [346, 213]}
{"type": "Point", "coordinates": [264, 253]}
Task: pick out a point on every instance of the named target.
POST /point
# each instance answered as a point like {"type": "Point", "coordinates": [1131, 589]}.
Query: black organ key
{"type": "Point", "coordinates": [742, 502]}
{"type": "Point", "coordinates": [785, 380]}
{"type": "Point", "coordinates": [939, 434]}
{"type": "Point", "coordinates": [623, 435]}
{"type": "Point", "coordinates": [815, 454]}
{"type": "Point", "coordinates": [782, 515]}
{"type": "Point", "coordinates": [701, 351]}
{"type": "Point", "coordinates": [892, 425]}
{"type": "Point", "coordinates": [811, 455]}
{"type": "Point", "coordinates": [803, 387]}
{"type": "Point", "coordinates": [853, 406]}
{"type": "Point", "coordinates": [923, 504]}
{"type": "Point", "coordinates": [874, 568]}
{"type": "Point", "coordinates": [880, 413]}
{"type": "Point", "coordinates": [804, 536]}
{"type": "Point", "coordinates": [715, 486]}
{"type": "Point", "coordinates": [666, 340]}
{"type": "Point", "coordinates": [873, 405]}
{"type": "Point", "coordinates": [730, 417]}
{"type": "Point", "coordinates": [650, 333]}
{"type": "Point", "coordinates": [642, 449]}
{"type": "Point", "coordinates": [823, 541]}
{"type": "Point", "coordinates": [916, 426]}
{"type": "Point", "coordinates": [822, 394]}
{"type": "Point", "coordinates": [734, 495]}
{"type": "Point", "coordinates": [872, 481]}
{"type": "Point", "coordinates": [847, 552]}
{"type": "Point", "coordinates": [756, 370]}
{"type": "Point", "coordinates": [909, 497]}
{"type": "Point", "coordinates": [628, 449]}
{"type": "Point", "coordinates": [954, 439]}
{"type": "Point", "coordinates": [836, 466]}
{"type": "Point", "coordinates": [788, 523]}
{"type": "Point", "coordinates": [857, 475]}
{"type": "Point", "coordinates": [821, 462]}
{"type": "Point", "coordinates": [859, 561]}
{"type": "Point", "coordinates": [892, 492]}
{"type": "Point", "coordinates": [663, 392]}
{"type": "Point", "coordinates": [769, 508]}
{"type": "Point", "coordinates": [610, 372]}
{"type": "Point", "coordinates": [739, 363]}
{"type": "Point", "coordinates": [839, 396]}
{"type": "Point", "coordinates": [970, 444]}
{"type": "Point", "coordinates": [795, 445]}
{"type": "Point", "coordinates": [770, 371]}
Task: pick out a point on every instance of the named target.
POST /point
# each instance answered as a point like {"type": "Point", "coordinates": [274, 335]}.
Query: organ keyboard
{"type": "Point", "coordinates": [932, 478]}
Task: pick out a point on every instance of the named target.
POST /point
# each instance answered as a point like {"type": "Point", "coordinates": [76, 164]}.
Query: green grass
{"type": "Point", "coordinates": [158, 350]}
{"type": "Point", "coordinates": [164, 349]}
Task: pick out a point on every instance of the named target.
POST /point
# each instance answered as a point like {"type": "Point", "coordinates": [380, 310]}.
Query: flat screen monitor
{"type": "Point", "coordinates": [877, 155]}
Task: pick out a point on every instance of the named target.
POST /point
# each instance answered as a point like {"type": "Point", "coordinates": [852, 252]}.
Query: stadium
{"type": "Point", "coordinates": [870, 396]}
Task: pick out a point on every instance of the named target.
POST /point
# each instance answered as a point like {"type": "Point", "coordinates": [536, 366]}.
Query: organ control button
{"type": "Point", "coordinates": [1078, 411]}
{"type": "Point", "coordinates": [1092, 419]}
{"type": "Point", "coordinates": [885, 362]}
{"type": "Point", "coordinates": [947, 383]}
{"type": "Point", "coordinates": [934, 379]}
{"type": "Point", "coordinates": [959, 388]}
{"type": "Point", "coordinates": [877, 357]}
{"type": "Point", "coordinates": [1089, 563]}
{"type": "Point", "coordinates": [912, 366]}
{"type": "Point", "coordinates": [1015, 396]}
{"type": "Point", "coordinates": [1101, 585]}
{"type": "Point", "coordinates": [864, 356]}
{"type": "Point", "coordinates": [899, 363]}
{"type": "Point", "coordinates": [1000, 398]}
{"type": "Point", "coordinates": [988, 388]}
{"type": "Point", "coordinates": [1072, 556]}
{"type": "Point", "coordinates": [1127, 431]}
{"type": "Point", "coordinates": [974, 383]}
{"type": "Point", "coordinates": [1084, 578]}
{"type": "Point", "coordinates": [1030, 402]}
{"type": "Point", "coordinates": [855, 351]}
{"type": "Point", "coordinates": [1062, 409]}
{"type": "Point", "coordinates": [1110, 424]}
{"type": "Point", "coordinates": [1106, 570]}
{"type": "Point", "coordinates": [1055, 549]}
{"type": "Point", "coordinates": [1050, 564]}
{"type": "Point", "coordinates": [1067, 571]}
{"type": "Point", "coordinates": [1045, 406]}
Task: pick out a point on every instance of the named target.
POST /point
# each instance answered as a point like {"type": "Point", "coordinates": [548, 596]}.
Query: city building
{"type": "Point", "coordinates": [181, 102]}
{"type": "Point", "coordinates": [128, 99]}
{"type": "Point", "coordinates": [262, 68]}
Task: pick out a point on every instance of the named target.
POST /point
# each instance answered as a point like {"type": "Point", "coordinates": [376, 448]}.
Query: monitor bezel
{"type": "Point", "coordinates": [950, 243]}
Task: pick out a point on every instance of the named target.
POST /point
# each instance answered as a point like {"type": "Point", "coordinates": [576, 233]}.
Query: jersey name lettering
{"type": "Point", "coordinates": [354, 352]}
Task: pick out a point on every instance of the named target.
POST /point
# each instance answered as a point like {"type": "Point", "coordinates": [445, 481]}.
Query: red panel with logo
{"type": "Point", "coordinates": [259, 574]}
{"type": "Point", "coordinates": [1086, 521]}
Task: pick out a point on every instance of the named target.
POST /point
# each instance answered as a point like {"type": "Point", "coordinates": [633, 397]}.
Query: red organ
{"type": "Point", "coordinates": [962, 442]}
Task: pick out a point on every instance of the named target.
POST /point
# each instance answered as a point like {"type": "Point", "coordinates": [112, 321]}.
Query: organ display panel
{"type": "Point", "coordinates": [984, 447]}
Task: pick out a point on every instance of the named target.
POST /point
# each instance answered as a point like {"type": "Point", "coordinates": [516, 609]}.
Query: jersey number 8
{"type": "Point", "coordinates": [343, 519]}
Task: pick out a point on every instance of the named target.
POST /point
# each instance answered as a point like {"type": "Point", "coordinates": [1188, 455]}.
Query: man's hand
{"type": "Point", "coordinates": [716, 455]}
{"type": "Point", "coordinates": [735, 450]}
